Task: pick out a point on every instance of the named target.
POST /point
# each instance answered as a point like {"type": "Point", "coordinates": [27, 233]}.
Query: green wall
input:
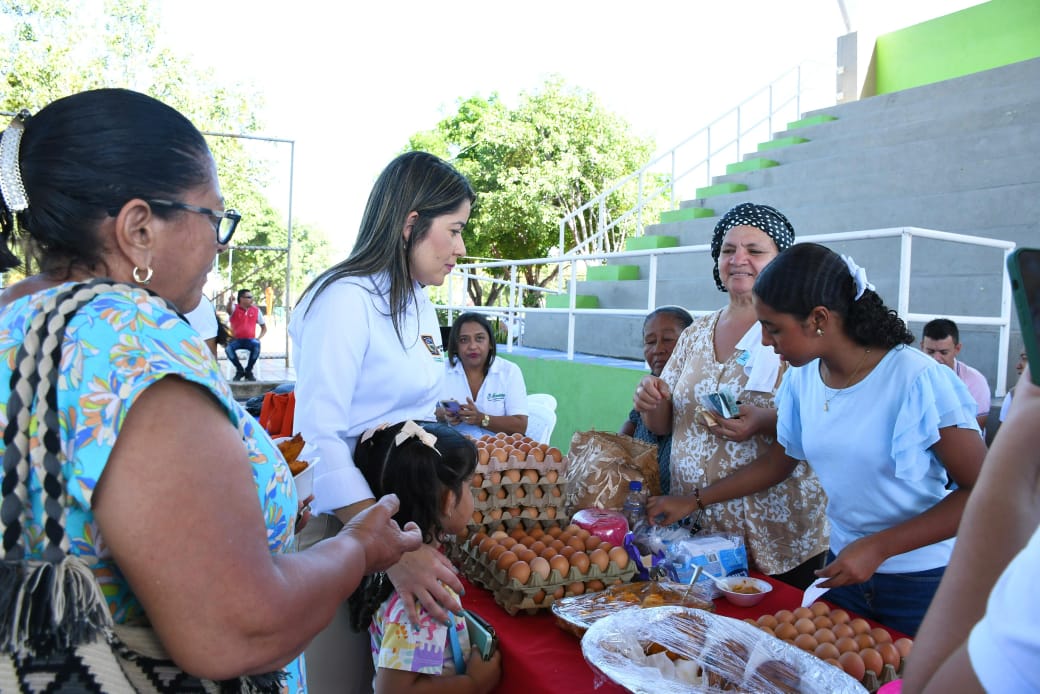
{"type": "Point", "coordinates": [588, 396]}
{"type": "Point", "coordinates": [996, 33]}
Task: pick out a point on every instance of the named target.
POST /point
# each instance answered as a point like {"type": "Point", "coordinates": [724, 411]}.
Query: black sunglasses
{"type": "Point", "coordinates": [227, 221]}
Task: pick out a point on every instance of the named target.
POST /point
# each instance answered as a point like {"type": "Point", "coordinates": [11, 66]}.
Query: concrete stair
{"type": "Point", "coordinates": [958, 156]}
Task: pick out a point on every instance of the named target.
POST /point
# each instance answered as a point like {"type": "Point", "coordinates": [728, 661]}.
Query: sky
{"type": "Point", "coordinates": [350, 83]}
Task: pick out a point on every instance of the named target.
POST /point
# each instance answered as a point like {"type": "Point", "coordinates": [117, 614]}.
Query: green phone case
{"type": "Point", "coordinates": [1024, 270]}
{"type": "Point", "coordinates": [481, 634]}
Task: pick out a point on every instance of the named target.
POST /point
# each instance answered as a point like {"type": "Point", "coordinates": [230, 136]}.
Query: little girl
{"type": "Point", "coordinates": [429, 468]}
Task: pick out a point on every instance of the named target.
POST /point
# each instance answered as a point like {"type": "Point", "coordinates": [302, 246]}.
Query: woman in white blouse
{"type": "Point", "coordinates": [482, 394]}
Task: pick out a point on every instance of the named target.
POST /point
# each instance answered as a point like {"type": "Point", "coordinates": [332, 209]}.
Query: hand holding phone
{"type": "Point", "coordinates": [481, 634]}
{"type": "Point", "coordinates": [1024, 270]}
{"type": "Point", "coordinates": [452, 406]}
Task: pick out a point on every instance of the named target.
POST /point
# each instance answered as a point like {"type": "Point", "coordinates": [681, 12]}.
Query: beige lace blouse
{"type": "Point", "coordinates": [782, 526]}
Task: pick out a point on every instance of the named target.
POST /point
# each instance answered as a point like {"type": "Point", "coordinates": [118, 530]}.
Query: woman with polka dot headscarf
{"type": "Point", "coordinates": [784, 527]}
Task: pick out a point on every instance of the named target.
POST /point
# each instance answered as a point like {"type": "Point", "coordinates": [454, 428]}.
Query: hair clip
{"type": "Point", "coordinates": [859, 275]}
{"type": "Point", "coordinates": [369, 433]}
{"type": "Point", "coordinates": [11, 187]}
{"type": "Point", "coordinates": [410, 429]}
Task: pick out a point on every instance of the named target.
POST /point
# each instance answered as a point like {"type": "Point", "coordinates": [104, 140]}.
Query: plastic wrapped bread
{"type": "Point", "coordinates": [705, 653]}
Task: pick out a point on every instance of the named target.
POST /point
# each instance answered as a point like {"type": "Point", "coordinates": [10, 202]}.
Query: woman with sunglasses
{"type": "Point", "coordinates": [178, 502]}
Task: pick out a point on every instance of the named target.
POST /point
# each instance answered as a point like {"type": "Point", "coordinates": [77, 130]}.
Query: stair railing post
{"type": "Point", "coordinates": [905, 252]}
{"type": "Point", "coordinates": [651, 295]}
{"type": "Point", "coordinates": [573, 299]}
{"type": "Point", "coordinates": [513, 291]}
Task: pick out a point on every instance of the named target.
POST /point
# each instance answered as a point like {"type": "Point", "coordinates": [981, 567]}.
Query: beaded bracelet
{"type": "Point", "coordinates": [697, 497]}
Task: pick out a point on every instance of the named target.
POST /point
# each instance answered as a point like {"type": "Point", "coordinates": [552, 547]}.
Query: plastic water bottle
{"type": "Point", "coordinates": [634, 508]}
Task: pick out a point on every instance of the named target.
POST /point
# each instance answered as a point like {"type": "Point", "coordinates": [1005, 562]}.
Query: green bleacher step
{"type": "Point", "coordinates": [720, 189]}
{"type": "Point", "coordinates": [781, 142]}
{"type": "Point", "coordinates": [811, 120]}
{"type": "Point", "coordinates": [601, 273]}
{"type": "Point", "coordinates": [646, 243]}
{"type": "Point", "coordinates": [564, 301]}
{"type": "Point", "coordinates": [686, 213]}
{"type": "Point", "coordinates": [753, 164]}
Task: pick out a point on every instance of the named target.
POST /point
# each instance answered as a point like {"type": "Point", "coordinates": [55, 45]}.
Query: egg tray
{"type": "Point", "coordinates": [514, 596]}
{"type": "Point", "coordinates": [528, 463]}
{"type": "Point", "coordinates": [520, 494]}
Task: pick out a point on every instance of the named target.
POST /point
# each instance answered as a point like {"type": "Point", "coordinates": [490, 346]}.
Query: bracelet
{"type": "Point", "coordinates": [697, 496]}
{"type": "Point", "coordinates": [486, 421]}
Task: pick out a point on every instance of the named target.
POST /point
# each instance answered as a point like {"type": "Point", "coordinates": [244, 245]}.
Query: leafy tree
{"type": "Point", "coordinates": [533, 165]}
{"type": "Point", "coordinates": [53, 48]}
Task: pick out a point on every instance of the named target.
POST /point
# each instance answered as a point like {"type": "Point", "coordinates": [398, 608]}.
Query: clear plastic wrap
{"type": "Point", "coordinates": [576, 614]}
{"type": "Point", "coordinates": [678, 649]}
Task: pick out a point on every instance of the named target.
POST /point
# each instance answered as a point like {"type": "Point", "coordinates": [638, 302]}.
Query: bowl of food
{"type": "Point", "coordinates": [744, 591]}
{"type": "Point", "coordinates": [304, 480]}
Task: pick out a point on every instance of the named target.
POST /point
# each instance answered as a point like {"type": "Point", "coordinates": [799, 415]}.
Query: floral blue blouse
{"type": "Point", "coordinates": [115, 347]}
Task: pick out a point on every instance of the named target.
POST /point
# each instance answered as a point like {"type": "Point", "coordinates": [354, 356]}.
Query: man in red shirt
{"type": "Point", "coordinates": [244, 316]}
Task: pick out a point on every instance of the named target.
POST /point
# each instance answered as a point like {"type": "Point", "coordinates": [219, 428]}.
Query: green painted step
{"type": "Point", "coordinates": [720, 189]}
{"type": "Point", "coordinates": [686, 213]}
{"type": "Point", "coordinates": [645, 243]}
{"type": "Point", "coordinates": [750, 165]}
{"type": "Point", "coordinates": [563, 301]}
{"type": "Point", "coordinates": [811, 120]}
{"type": "Point", "coordinates": [781, 142]}
{"type": "Point", "coordinates": [600, 273]}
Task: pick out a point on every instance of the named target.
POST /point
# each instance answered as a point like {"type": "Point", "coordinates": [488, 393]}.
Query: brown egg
{"type": "Point", "coordinates": [889, 654]}
{"type": "Point", "coordinates": [508, 542]}
{"type": "Point", "coordinates": [600, 559]}
{"type": "Point", "coordinates": [520, 571]}
{"type": "Point", "coordinates": [839, 616]}
{"type": "Point", "coordinates": [540, 567]}
{"type": "Point", "coordinates": [592, 542]}
{"type": "Point", "coordinates": [819, 609]}
{"type": "Point", "coordinates": [495, 477]}
{"type": "Point", "coordinates": [557, 544]}
{"type": "Point", "coordinates": [536, 532]}
{"type": "Point", "coordinates": [499, 534]}
{"type": "Point", "coordinates": [482, 495]}
{"type": "Point", "coordinates": [834, 662]}
{"type": "Point", "coordinates": [537, 493]}
{"type": "Point", "coordinates": [495, 552]}
{"type": "Point", "coordinates": [579, 532]}
{"type": "Point", "coordinates": [560, 563]}
{"type": "Point", "coordinates": [852, 664]}
{"type": "Point", "coordinates": [555, 531]}
{"type": "Point", "coordinates": [486, 544]}
{"type": "Point", "coordinates": [881, 635]}
{"type": "Point", "coordinates": [477, 538]}
{"type": "Point", "coordinates": [518, 533]}
{"type": "Point", "coordinates": [549, 553]}
{"type": "Point", "coordinates": [538, 455]}
{"type": "Point", "coordinates": [904, 645]}
{"type": "Point", "coordinates": [550, 511]}
{"type": "Point", "coordinates": [478, 517]}
{"type": "Point", "coordinates": [606, 546]}
{"type": "Point", "coordinates": [512, 476]}
{"type": "Point", "coordinates": [784, 616]}
{"type": "Point", "coordinates": [594, 586]}
{"type": "Point", "coordinates": [821, 635]}
{"type": "Point", "coordinates": [618, 556]}
{"type": "Point", "coordinates": [555, 454]}
{"type": "Point", "coordinates": [767, 630]}
{"type": "Point", "coordinates": [767, 620]}
{"type": "Point", "coordinates": [555, 491]}
{"type": "Point", "coordinates": [860, 625]}
{"type": "Point", "coordinates": [842, 630]}
{"type": "Point", "coordinates": [806, 642]}
{"type": "Point", "coordinates": [576, 588]}
{"type": "Point", "coordinates": [558, 593]}
{"type": "Point", "coordinates": [531, 476]}
{"type": "Point", "coordinates": [580, 561]}
{"type": "Point", "coordinates": [802, 613]}
{"type": "Point", "coordinates": [805, 626]}
{"type": "Point", "coordinates": [577, 543]}
{"type": "Point", "coordinates": [872, 660]}
{"type": "Point", "coordinates": [864, 641]}
{"type": "Point", "coordinates": [525, 554]}
{"type": "Point", "coordinates": [823, 622]}
{"type": "Point", "coordinates": [785, 631]}
{"type": "Point", "coordinates": [846, 644]}
{"type": "Point", "coordinates": [827, 650]}
{"type": "Point", "coordinates": [505, 560]}
{"type": "Point", "coordinates": [537, 546]}
{"type": "Point", "coordinates": [478, 477]}
{"type": "Point", "coordinates": [539, 597]}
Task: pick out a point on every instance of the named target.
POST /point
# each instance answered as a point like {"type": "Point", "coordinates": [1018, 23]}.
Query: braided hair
{"type": "Point", "coordinates": [420, 475]}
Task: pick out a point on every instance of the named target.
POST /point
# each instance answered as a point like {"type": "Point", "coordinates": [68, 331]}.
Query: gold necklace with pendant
{"type": "Point", "coordinates": [827, 401]}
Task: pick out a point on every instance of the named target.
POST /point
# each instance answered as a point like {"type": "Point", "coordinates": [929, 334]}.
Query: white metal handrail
{"type": "Point", "coordinates": [737, 128]}
{"type": "Point", "coordinates": [514, 311]}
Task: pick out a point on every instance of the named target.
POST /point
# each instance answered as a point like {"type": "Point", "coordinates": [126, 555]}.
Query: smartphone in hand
{"type": "Point", "coordinates": [481, 634]}
{"type": "Point", "coordinates": [1024, 270]}
{"type": "Point", "coordinates": [452, 406]}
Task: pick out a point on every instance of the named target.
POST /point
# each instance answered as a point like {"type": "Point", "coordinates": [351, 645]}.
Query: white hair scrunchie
{"type": "Point", "coordinates": [859, 276]}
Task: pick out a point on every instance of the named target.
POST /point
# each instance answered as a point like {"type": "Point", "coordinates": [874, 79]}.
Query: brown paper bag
{"type": "Point", "coordinates": [600, 466]}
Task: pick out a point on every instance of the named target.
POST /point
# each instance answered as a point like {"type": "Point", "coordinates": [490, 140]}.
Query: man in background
{"type": "Point", "coordinates": [244, 316]}
{"type": "Point", "coordinates": [942, 342]}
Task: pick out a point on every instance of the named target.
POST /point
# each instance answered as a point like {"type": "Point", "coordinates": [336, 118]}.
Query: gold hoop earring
{"type": "Point", "coordinates": [819, 332]}
{"type": "Point", "coordinates": [146, 279]}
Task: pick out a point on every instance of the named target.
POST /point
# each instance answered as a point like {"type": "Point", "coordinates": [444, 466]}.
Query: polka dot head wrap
{"type": "Point", "coordinates": [763, 217]}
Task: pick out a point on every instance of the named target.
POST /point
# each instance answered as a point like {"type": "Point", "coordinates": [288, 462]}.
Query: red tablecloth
{"type": "Point", "coordinates": [538, 656]}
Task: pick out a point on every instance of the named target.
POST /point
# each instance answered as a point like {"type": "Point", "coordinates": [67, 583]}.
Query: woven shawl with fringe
{"type": "Point", "coordinates": [56, 632]}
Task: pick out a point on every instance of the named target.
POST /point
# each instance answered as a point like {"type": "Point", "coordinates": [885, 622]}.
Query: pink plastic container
{"type": "Point", "coordinates": [609, 526]}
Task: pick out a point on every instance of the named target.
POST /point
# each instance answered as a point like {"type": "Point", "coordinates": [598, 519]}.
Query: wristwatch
{"type": "Point", "coordinates": [484, 422]}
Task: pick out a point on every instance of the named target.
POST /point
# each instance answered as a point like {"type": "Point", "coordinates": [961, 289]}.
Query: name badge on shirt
{"type": "Point", "coordinates": [496, 397]}
{"type": "Point", "coordinates": [435, 350]}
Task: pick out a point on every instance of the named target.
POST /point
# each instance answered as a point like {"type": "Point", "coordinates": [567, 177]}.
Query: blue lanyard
{"type": "Point", "coordinates": [456, 648]}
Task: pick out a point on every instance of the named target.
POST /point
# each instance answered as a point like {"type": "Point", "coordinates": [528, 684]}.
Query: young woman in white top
{"type": "Point", "coordinates": [366, 350]}
{"type": "Point", "coordinates": [489, 393]}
